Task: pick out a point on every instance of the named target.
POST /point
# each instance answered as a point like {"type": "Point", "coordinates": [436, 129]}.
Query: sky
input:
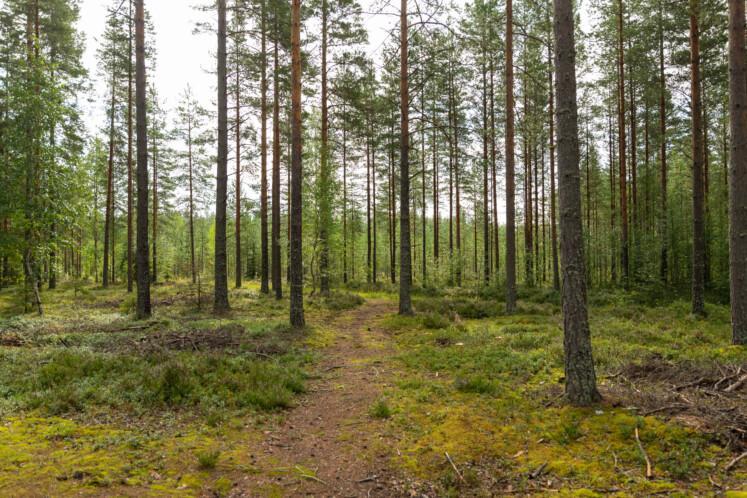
{"type": "Point", "coordinates": [183, 56]}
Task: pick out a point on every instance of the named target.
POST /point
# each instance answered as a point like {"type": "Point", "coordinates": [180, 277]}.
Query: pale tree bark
{"type": "Point", "coordinates": [143, 273]}
{"type": "Point", "coordinates": [738, 173]}
{"type": "Point", "coordinates": [296, 213]}
{"type": "Point", "coordinates": [220, 302]}
{"type": "Point", "coordinates": [580, 379]}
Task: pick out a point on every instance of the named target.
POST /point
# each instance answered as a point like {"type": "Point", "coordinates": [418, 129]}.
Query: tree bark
{"type": "Point", "coordinates": [663, 216]}
{"type": "Point", "coordinates": [143, 273]}
{"type": "Point", "coordinates": [510, 173]}
{"type": "Point", "coordinates": [553, 215]}
{"type": "Point", "coordinates": [220, 302]}
{"type": "Point", "coordinates": [277, 280]}
{"type": "Point", "coordinates": [405, 304]}
{"type": "Point", "coordinates": [325, 208]}
{"type": "Point", "coordinates": [237, 221]}
{"type": "Point", "coordinates": [264, 266]}
{"type": "Point", "coordinates": [191, 201]}
{"type": "Point", "coordinates": [580, 378]}
{"type": "Point", "coordinates": [129, 152]}
{"type": "Point", "coordinates": [738, 173]}
{"type": "Point", "coordinates": [698, 251]}
{"type": "Point", "coordinates": [621, 144]}
{"type": "Point", "coordinates": [296, 214]}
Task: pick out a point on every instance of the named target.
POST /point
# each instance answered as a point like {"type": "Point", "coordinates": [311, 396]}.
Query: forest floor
{"type": "Point", "coordinates": [459, 400]}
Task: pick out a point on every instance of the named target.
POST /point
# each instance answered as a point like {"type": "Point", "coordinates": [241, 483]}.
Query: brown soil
{"type": "Point", "coordinates": [329, 445]}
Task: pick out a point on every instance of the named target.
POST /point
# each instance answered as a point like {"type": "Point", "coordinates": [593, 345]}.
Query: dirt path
{"type": "Point", "coordinates": [329, 445]}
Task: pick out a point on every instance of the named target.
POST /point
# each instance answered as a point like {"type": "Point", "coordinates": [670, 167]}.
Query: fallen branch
{"type": "Point", "coordinates": [736, 385]}
{"type": "Point", "coordinates": [538, 471]}
{"type": "Point", "coordinates": [367, 479]}
{"type": "Point", "coordinates": [663, 408]}
{"type": "Point", "coordinates": [649, 471]}
{"type": "Point", "coordinates": [734, 462]}
{"type": "Point", "coordinates": [459, 474]}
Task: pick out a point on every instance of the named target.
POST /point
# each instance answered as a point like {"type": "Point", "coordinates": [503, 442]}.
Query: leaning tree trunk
{"type": "Point", "coordinates": [698, 255]}
{"type": "Point", "coordinates": [220, 303]}
{"type": "Point", "coordinates": [510, 165]}
{"type": "Point", "coordinates": [143, 273]}
{"type": "Point", "coordinates": [296, 214]}
{"type": "Point", "coordinates": [405, 269]}
{"type": "Point", "coordinates": [580, 383]}
{"type": "Point", "coordinates": [738, 173]}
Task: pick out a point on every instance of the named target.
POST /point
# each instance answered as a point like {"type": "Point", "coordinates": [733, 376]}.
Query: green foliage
{"type": "Point", "coordinates": [380, 409]}
{"type": "Point", "coordinates": [208, 459]}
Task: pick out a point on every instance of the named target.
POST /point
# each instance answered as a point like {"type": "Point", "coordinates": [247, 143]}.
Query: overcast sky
{"type": "Point", "coordinates": [182, 56]}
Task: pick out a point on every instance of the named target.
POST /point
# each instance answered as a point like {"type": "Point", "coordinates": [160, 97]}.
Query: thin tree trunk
{"type": "Point", "coordinates": [129, 153]}
{"type": "Point", "coordinates": [191, 202]}
{"type": "Point", "coordinates": [154, 270]}
{"type": "Point", "coordinates": [405, 304]}
{"type": "Point", "coordinates": [277, 280]}
{"type": "Point", "coordinates": [220, 303]}
{"type": "Point", "coordinates": [325, 179]}
{"type": "Point", "coordinates": [493, 172]}
{"type": "Point", "coordinates": [237, 221]}
{"type": "Point", "coordinates": [621, 144]}
{"type": "Point", "coordinates": [553, 216]}
{"type": "Point", "coordinates": [296, 214]}
{"type": "Point", "coordinates": [698, 254]}
{"type": "Point", "coordinates": [143, 274]}
{"type": "Point", "coordinates": [663, 217]}
{"type": "Point", "coordinates": [264, 264]}
{"type": "Point", "coordinates": [580, 378]}
{"type": "Point", "coordinates": [109, 210]}
{"type": "Point", "coordinates": [738, 173]}
{"type": "Point", "coordinates": [510, 173]}
{"type": "Point", "coordinates": [485, 166]}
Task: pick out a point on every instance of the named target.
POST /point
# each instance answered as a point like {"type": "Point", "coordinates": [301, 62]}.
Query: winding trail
{"type": "Point", "coordinates": [328, 445]}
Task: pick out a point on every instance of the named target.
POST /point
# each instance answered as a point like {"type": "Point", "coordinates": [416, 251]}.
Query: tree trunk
{"type": "Point", "coordinates": [510, 173]}
{"type": "Point", "coordinates": [277, 280]}
{"type": "Point", "coordinates": [738, 173]}
{"type": "Point", "coordinates": [129, 152]}
{"type": "Point", "coordinates": [405, 304]}
{"type": "Point", "coordinates": [109, 210]}
{"type": "Point", "coordinates": [663, 217]}
{"type": "Point", "coordinates": [264, 266]}
{"type": "Point", "coordinates": [485, 166]}
{"type": "Point", "coordinates": [296, 214]}
{"type": "Point", "coordinates": [493, 172]}
{"type": "Point", "coordinates": [191, 203]}
{"type": "Point", "coordinates": [220, 303]}
{"type": "Point", "coordinates": [237, 221]}
{"type": "Point", "coordinates": [698, 254]}
{"type": "Point", "coordinates": [553, 216]}
{"type": "Point", "coordinates": [325, 208]}
{"type": "Point", "coordinates": [154, 270]}
{"type": "Point", "coordinates": [143, 274]}
{"type": "Point", "coordinates": [621, 144]}
{"type": "Point", "coordinates": [580, 379]}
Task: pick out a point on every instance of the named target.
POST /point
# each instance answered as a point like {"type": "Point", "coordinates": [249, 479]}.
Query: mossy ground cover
{"type": "Point", "coordinates": [484, 387]}
{"type": "Point", "coordinates": [95, 403]}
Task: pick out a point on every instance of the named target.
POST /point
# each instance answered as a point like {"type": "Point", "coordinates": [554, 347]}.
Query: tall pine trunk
{"type": "Point", "coordinates": [405, 304]}
{"type": "Point", "coordinates": [296, 213]}
{"type": "Point", "coordinates": [510, 165]}
{"type": "Point", "coordinates": [698, 250]}
{"type": "Point", "coordinates": [277, 280]}
{"type": "Point", "coordinates": [264, 266]}
{"type": "Point", "coordinates": [738, 173]}
{"type": "Point", "coordinates": [220, 302]}
{"type": "Point", "coordinates": [129, 152]}
{"type": "Point", "coordinates": [143, 273]}
{"type": "Point", "coordinates": [580, 379]}
{"type": "Point", "coordinates": [325, 207]}
{"type": "Point", "coordinates": [624, 254]}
